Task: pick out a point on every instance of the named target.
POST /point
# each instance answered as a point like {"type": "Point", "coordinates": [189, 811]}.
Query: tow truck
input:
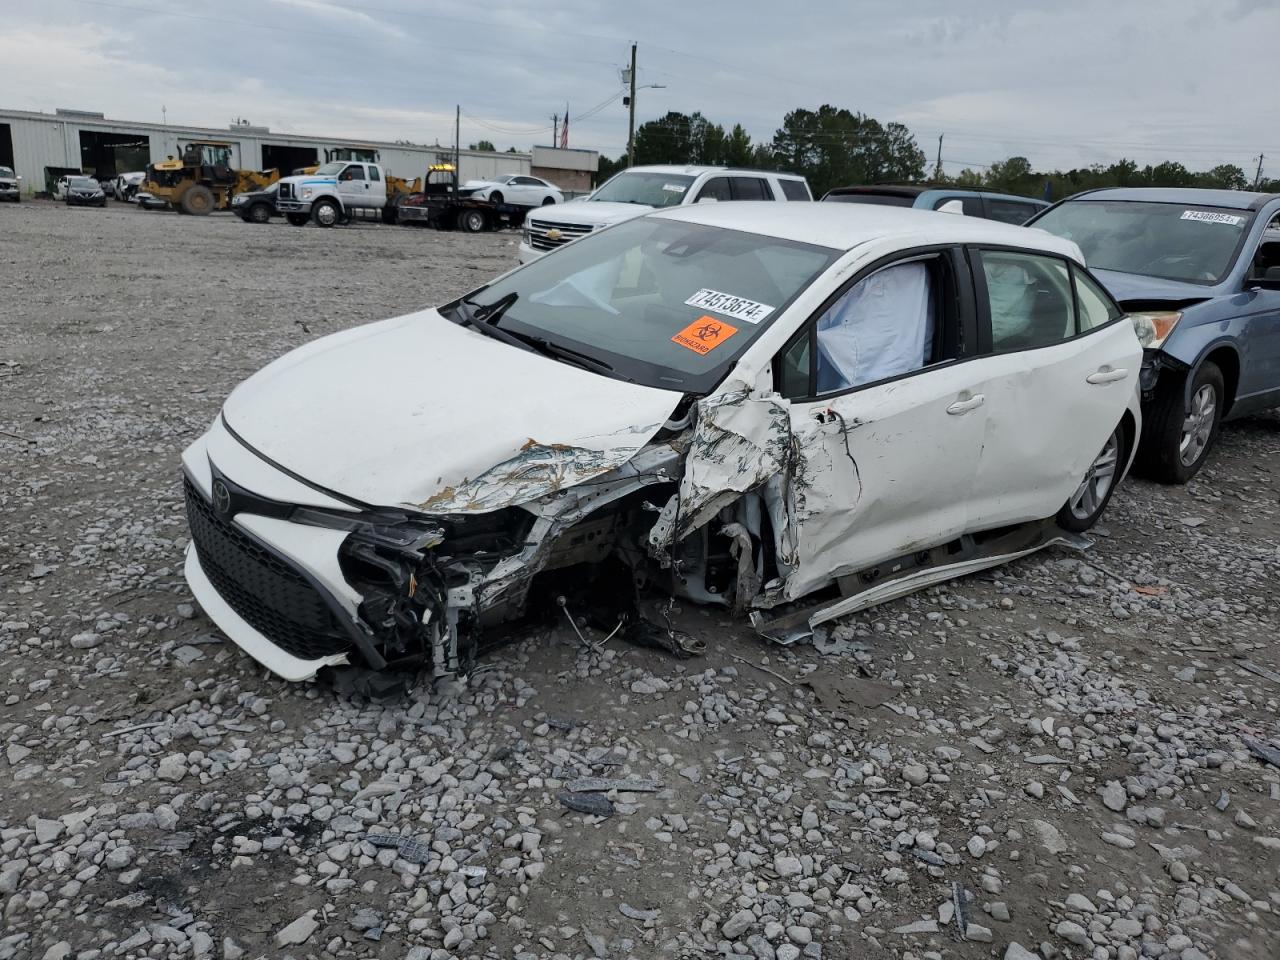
{"type": "Point", "coordinates": [439, 205]}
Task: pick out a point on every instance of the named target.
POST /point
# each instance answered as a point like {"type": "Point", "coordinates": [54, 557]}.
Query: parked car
{"type": "Point", "coordinates": [84, 191]}
{"type": "Point", "coordinates": [256, 206]}
{"type": "Point", "coordinates": [636, 191]}
{"type": "Point", "coordinates": [523, 191]}
{"type": "Point", "coordinates": [125, 186]}
{"type": "Point", "coordinates": [10, 185]}
{"type": "Point", "coordinates": [773, 398]}
{"type": "Point", "coordinates": [1200, 269]}
{"type": "Point", "coordinates": [974, 203]}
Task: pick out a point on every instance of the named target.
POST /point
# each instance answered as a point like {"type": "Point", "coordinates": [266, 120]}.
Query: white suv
{"type": "Point", "coordinates": [638, 190]}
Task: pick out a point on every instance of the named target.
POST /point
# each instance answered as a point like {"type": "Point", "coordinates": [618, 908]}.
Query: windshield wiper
{"type": "Point", "coordinates": [484, 319]}
{"type": "Point", "coordinates": [567, 354]}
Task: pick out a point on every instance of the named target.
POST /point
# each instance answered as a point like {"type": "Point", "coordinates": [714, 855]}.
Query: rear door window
{"type": "Point", "coordinates": [972, 205]}
{"type": "Point", "coordinates": [794, 189]}
{"type": "Point", "coordinates": [1031, 300]}
{"type": "Point", "coordinates": [717, 188]}
{"type": "Point", "coordinates": [749, 188]}
{"type": "Point", "coordinates": [374, 174]}
{"type": "Point", "coordinates": [1010, 211]}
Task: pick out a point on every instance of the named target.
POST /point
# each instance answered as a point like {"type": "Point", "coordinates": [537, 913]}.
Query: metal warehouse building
{"type": "Point", "coordinates": [43, 146]}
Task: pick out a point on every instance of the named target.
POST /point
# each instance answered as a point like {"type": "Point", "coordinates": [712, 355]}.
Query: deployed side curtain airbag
{"type": "Point", "coordinates": [881, 328]}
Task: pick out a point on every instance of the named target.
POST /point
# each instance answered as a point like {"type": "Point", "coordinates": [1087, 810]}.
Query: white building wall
{"type": "Point", "coordinates": [49, 140]}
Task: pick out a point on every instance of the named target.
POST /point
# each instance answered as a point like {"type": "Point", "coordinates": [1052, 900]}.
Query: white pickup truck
{"type": "Point", "coordinates": [337, 192]}
{"type": "Point", "coordinates": [639, 190]}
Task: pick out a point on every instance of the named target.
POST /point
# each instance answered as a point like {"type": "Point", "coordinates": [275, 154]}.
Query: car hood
{"type": "Point", "coordinates": [421, 412]}
{"type": "Point", "coordinates": [478, 184]}
{"type": "Point", "coordinates": [1129, 286]}
{"type": "Point", "coordinates": [595, 212]}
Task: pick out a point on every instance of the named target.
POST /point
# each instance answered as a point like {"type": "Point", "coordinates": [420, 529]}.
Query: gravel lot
{"type": "Point", "coordinates": [1057, 750]}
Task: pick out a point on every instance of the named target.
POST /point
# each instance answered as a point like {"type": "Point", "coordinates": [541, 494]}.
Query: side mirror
{"type": "Point", "coordinates": [952, 206]}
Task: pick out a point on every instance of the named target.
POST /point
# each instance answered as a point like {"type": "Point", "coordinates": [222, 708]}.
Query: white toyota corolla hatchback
{"type": "Point", "coordinates": [790, 410]}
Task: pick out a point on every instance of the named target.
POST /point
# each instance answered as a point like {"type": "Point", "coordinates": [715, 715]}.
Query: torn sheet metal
{"type": "Point", "coordinates": [741, 440]}
{"type": "Point", "coordinates": [539, 469]}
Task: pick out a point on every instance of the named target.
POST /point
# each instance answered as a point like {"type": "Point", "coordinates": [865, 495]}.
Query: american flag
{"type": "Point", "coordinates": [564, 129]}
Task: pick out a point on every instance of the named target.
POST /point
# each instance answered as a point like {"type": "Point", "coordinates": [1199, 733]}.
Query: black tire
{"type": "Point", "coordinates": [197, 201]}
{"type": "Point", "coordinates": [259, 213]}
{"type": "Point", "coordinates": [548, 201]}
{"type": "Point", "coordinates": [326, 213]}
{"type": "Point", "coordinates": [391, 211]}
{"type": "Point", "coordinates": [1090, 499]}
{"type": "Point", "coordinates": [495, 197]}
{"type": "Point", "coordinates": [298, 219]}
{"type": "Point", "coordinates": [471, 221]}
{"type": "Point", "coordinates": [1168, 422]}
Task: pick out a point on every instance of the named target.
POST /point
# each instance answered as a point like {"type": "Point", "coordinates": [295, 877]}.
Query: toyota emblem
{"type": "Point", "coordinates": [221, 498]}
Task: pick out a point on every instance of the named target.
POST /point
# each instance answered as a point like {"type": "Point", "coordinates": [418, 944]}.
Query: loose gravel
{"type": "Point", "coordinates": [1049, 760]}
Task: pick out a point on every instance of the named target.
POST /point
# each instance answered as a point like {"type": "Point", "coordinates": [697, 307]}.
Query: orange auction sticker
{"type": "Point", "coordinates": [704, 335]}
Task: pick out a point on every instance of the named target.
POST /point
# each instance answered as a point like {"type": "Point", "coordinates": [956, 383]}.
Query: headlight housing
{"type": "Point", "coordinates": [1154, 326]}
{"type": "Point", "coordinates": [525, 236]}
{"type": "Point", "coordinates": [306, 193]}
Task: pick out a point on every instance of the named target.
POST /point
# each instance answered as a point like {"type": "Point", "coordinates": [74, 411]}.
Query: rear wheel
{"type": "Point", "coordinates": [197, 201]}
{"type": "Point", "coordinates": [496, 196]}
{"type": "Point", "coordinates": [298, 219]}
{"type": "Point", "coordinates": [1182, 426]}
{"type": "Point", "coordinates": [259, 213]}
{"type": "Point", "coordinates": [472, 221]}
{"type": "Point", "coordinates": [1084, 508]}
{"type": "Point", "coordinates": [325, 213]}
{"type": "Point", "coordinates": [548, 201]}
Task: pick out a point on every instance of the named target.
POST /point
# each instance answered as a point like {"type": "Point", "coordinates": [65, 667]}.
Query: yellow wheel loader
{"type": "Point", "coordinates": [202, 179]}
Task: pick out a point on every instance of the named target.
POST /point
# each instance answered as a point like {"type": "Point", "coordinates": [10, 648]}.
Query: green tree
{"type": "Point", "coordinates": [1226, 176]}
{"type": "Point", "coordinates": [484, 145]}
{"type": "Point", "coordinates": [833, 147]}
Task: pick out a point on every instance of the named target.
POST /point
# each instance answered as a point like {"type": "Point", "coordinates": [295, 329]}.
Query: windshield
{"type": "Point", "coordinates": [85, 183]}
{"type": "Point", "coordinates": [7, 172]}
{"type": "Point", "coordinates": [650, 189]}
{"type": "Point", "coordinates": [663, 303]}
{"type": "Point", "coordinates": [1172, 241]}
{"type": "Point", "coordinates": [331, 169]}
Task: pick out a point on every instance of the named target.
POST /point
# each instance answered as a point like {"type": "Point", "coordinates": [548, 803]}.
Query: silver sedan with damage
{"type": "Point", "coordinates": [789, 410]}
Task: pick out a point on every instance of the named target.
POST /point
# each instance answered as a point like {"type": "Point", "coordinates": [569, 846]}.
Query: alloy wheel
{"type": "Point", "coordinates": [1097, 483]}
{"type": "Point", "coordinates": [1198, 425]}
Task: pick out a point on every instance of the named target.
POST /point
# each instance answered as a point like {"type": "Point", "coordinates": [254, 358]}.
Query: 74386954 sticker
{"type": "Point", "coordinates": [740, 308]}
{"type": "Point", "coordinates": [1210, 216]}
{"type": "Point", "coordinates": [704, 335]}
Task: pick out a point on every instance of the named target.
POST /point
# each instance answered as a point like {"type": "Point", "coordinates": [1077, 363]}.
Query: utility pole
{"type": "Point", "coordinates": [555, 128]}
{"type": "Point", "coordinates": [631, 126]}
{"type": "Point", "coordinates": [1257, 177]}
{"type": "Point", "coordinates": [457, 147]}
{"type": "Point", "coordinates": [937, 167]}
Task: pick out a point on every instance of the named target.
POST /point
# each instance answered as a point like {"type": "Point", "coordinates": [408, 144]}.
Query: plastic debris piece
{"type": "Point", "coordinates": [960, 898]}
{"type": "Point", "coordinates": [411, 850]}
{"type": "Point", "coordinates": [590, 803]}
{"type": "Point", "coordinates": [602, 784]}
{"type": "Point", "coordinates": [1263, 751]}
{"type": "Point", "coordinates": [631, 913]}
{"type": "Point", "coordinates": [1261, 671]}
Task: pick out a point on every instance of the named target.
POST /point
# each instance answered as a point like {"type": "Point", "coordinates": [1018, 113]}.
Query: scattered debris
{"type": "Point", "coordinates": [589, 803]}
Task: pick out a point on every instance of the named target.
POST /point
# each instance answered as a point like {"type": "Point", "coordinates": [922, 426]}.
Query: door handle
{"type": "Point", "coordinates": [967, 404]}
{"type": "Point", "coordinates": [1106, 375]}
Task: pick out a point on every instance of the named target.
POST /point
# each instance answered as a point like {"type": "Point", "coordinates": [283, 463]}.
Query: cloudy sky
{"type": "Point", "coordinates": [1063, 84]}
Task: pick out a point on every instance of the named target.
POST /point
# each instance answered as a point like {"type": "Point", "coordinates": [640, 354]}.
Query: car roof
{"type": "Point", "coordinates": [915, 190]}
{"type": "Point", "coordinates": [694, 171]}
{"type": "Point", "coordinates": [843, 226]}
{"type": "Point", "coordinates": [1234, 199]}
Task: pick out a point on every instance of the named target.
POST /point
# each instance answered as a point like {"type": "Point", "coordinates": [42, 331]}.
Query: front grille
{"type": "Point", "coordinates": [285, 191]}
{"type": "Point", "coordinates": [538, 230]}
{"type": "Point", "coordinates": [269, 593]}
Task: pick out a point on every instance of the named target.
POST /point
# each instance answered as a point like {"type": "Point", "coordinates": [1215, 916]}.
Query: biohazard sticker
{"type": "Point", "coordinates": [740, 308]}
{"type": "Point", "coordinates": [704, 335]}
{"type": "Point", "coordinates": [1207, 216]}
